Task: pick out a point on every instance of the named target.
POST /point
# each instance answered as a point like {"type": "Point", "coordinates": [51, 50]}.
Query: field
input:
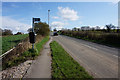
{"type": "Point", "coordinates": [27, 55]}
{"type": "Point", "coordinates": [9, 42]}
{"type": "Point", "coordinates": [64, 66]}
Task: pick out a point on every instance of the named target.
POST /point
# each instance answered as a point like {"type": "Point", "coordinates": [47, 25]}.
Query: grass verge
{"type": "Point", "coordinates": [39, 45]}
{"type": "Point", "coordinates": [27, 55]}
{"type": "Point", "coordinates": [64, 66]}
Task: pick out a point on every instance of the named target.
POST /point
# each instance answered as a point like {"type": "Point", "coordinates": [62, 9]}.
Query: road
{"type": "Point", "coordinates": [99, 60]}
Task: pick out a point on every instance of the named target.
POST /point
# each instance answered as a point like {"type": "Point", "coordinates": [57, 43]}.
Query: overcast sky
{"type": "Point", "coordinates": [17, 16]}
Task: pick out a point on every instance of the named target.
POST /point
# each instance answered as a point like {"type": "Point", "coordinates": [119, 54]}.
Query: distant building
{"type": "Point", "coordinates": [97, 27]}
{"type": "Point", "coordinates": [85, 28]}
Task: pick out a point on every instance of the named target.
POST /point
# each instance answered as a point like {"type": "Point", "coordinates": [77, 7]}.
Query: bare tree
{"type": "Point", "coordinates": [109, 27]}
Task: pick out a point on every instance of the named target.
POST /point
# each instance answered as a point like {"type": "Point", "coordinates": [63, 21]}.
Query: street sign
{"type": "Point", "coordinates": [32, 37]}
{"type": "Point", "coordinates": [36, 19]}
{"type": "Point", "coordinates": [32, 34]}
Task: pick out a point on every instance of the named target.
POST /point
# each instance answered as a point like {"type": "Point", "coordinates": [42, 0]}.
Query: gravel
{"type": "Point", "coordinates": [16, 71]}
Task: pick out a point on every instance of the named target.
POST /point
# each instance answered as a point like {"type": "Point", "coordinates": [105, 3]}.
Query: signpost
{"type": "Point", "coordinates": [32, 34]}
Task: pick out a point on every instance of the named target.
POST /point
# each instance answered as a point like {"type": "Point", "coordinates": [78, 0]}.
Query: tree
{"type": "Point", "coordinates": [29, 30]}
{"type": "Point", "coordinates": [18, 33]}
{"type": "Point", "coordinates": [7, 32]}
{"type": "Point", "coordinates": [93, 29]}
{"type": "Point", "coordinates": [55, 30]}
{"type": "Point", "coordinates": [42, 29]}
{"type": "Point", "coordinates": [0, 32]}
{"type": "Point", "coordinates": [109, 27]}
{"type": "Point", "coordinates": [74, 29]}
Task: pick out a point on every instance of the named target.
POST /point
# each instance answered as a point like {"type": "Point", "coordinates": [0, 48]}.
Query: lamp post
{"type": "Point", "coordinates": [48, 19]}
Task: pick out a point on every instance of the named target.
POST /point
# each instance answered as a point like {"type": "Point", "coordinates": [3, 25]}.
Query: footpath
{"type": "Point", "coordinates": [41, 67]}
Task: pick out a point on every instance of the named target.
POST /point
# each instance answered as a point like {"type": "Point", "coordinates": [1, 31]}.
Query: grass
{"type": "Point", "coordinates": [64, 66]}
{"type": "Point", "coordinates": [9, 42]}
{"type": "Point", "coordinates": [27, 55]}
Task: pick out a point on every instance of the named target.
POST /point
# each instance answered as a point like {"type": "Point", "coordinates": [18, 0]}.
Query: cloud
{"type": "Point", "coordinates": [68, 14]}
{"type": "Point", "coordinates": [115, 1]}
{"type": "Point", "coordinates": [57, 25]}
{"type": "Point", "coordinates": [55, 17]}
{"type": "Point", "coordinates": [15, 26]}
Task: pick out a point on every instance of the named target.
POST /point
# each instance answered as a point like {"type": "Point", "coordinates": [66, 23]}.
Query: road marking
{"type": "Point", "coordinates": [90, 47]}
{"type": "Point", "coordinates": [86, 45]}
{"type": "Point", "coordinates": [115, 56]}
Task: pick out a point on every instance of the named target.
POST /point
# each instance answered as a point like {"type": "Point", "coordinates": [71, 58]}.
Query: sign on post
{"type": "Point", "coordinates": [36, 19]}
{"type": "Point", "coordinates": [32, 37]}
{"type": "Point", "coordinates": [32, 34]}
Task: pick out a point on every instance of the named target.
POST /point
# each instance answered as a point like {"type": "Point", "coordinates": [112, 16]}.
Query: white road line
{"type": "Point", "coordinates": [97, 49]}
{"type": "Point", "coordinates": [90, 47]}
{"type": "Point", "coordinates": [115, 56]}
{"type": "Point", "coordinates": [93, 48]}
{"type": "Point", "coordinates": [87, 46]}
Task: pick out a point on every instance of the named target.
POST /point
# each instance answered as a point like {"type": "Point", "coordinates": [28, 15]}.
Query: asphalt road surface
{"type": "Point", "coordinates": [99, 60]}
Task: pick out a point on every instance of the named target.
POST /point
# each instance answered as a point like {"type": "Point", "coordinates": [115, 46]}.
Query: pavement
{"type": "Point", "coordinates": [99, 60]}
{"type": "Point", "coordinates": [41, 67]}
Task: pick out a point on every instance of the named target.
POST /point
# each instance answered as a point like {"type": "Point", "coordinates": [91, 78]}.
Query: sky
{"type": "Point", "coordinates": [17, 16]}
